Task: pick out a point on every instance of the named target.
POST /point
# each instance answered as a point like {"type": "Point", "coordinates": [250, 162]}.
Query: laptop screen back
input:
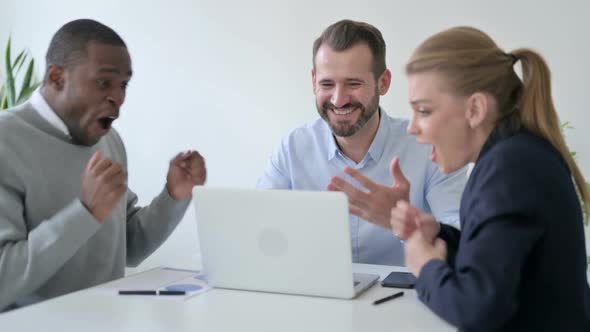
{"type": "Point", "coordinates": [281, 241]}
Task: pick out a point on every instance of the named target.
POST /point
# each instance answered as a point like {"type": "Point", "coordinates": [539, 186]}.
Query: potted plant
{"type": "Point", "coordinates": [10, 96]}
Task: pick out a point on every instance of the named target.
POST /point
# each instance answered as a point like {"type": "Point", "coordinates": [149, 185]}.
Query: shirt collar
{"type": "Point", "coordinates": [46, 112]}
{"type": "Point", "coordinates": [375, 149]}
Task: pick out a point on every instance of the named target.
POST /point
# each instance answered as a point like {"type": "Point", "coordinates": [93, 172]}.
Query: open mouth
{"type": "Point", "coordinates": [106, 122]}
{"type": "Point", "coordinates": [344, 111]}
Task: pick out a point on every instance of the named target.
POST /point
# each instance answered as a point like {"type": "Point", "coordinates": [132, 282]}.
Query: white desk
{"type": "Point", "coordinates": [228, 310]}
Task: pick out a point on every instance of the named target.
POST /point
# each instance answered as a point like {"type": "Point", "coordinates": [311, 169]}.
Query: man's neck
{"type": "Point", "coordinates": [356, 146]}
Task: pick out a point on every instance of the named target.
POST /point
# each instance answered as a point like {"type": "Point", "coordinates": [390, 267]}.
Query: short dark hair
{"type": "Point", "coordinates": [69, 42]}
{"type": "Point", "coordinates": [345, 34]}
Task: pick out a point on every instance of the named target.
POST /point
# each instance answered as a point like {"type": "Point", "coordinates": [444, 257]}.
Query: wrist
{"type": "Point", "coordinates": [175, 195]}
{"type": "Point", "coordinates": [97, 217]}
{"type": "Point", "coordinates": [170, 191]}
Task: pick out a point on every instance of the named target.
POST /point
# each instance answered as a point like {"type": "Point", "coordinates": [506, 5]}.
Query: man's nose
{"type": "Point", "coordinates": [116, 97]}
{"type": "Point", "coordinates": [340, 97]}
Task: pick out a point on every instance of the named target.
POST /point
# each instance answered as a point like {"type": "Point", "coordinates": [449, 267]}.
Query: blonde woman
{"type": "Point", "coordinates": [519, 261]}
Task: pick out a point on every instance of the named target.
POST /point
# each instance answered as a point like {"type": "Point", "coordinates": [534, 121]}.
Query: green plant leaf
{"type": "Point", "coordinates": [26, 93]}
{"type": "Point", "coordinates": [10, 93]}
{"type": "Point", "coordinates": [26, 80]}
{"type": "Point", "coordinates": [4, 103]}
{"type": "Point", "coordinates": [18, 63]}
{"type": "Point", "coordinates": [566, 125]}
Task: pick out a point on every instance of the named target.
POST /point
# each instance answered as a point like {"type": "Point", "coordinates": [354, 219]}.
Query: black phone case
{"type": "Point", "coordinates": [399, 280]}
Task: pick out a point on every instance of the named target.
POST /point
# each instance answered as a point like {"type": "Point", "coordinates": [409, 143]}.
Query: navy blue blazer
{"type": "Point", "coordinates": [519, 262]}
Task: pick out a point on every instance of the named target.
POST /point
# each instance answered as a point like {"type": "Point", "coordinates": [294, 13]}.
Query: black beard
{"type": "Point", "coordinates": [344, 129]}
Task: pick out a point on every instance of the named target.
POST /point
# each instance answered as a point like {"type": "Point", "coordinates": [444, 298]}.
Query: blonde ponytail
{"type": "Point", "coordinates": [538, 115]}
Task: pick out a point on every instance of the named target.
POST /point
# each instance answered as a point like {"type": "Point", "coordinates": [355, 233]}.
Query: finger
{"type": "Point", "coordinates": [195, 172]}
{"type": "Point", "coordinates": [180, 157]}
{"type": "Point", "coordinates": [96, 157]}
{"type": "Point", "coordinates": [406, 231]}
{"type": "Point", "coordinates": [113, 173]}
{"type": "Point", "coordinates": [194, 154]}
{"type": "Point", "coordinates": [398, 175]}
{"type": "Point", "coordinates": [404, 212]}
{"type": "Point", "coordinates": [355, 196]}
{"type": "Point", "coordinates": [402, 205]}
{"type": "Point", "coordinates": [402, 230]}
{"type": "Point", "coordinates": [403, 223]}
{"type": "Point", "coordinates": [362, 179]}
{"type": "Point", "coordinates": [357, 211]}
{"type": "Point", "coordinates": [194, 162]}
{"type": "Point", "coordinates": [102, 166]}
{"type": "Point", "coordinates": [189, 159]}
{"type": "Point", "coordinates": [399, 216]}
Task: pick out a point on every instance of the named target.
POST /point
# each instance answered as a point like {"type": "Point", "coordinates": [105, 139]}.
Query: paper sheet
{"type": "Point", "coordinates": [161, 278]}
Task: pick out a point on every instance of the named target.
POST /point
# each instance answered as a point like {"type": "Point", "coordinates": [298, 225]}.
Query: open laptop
{"type": "Point", "coordinates": [295, 242]}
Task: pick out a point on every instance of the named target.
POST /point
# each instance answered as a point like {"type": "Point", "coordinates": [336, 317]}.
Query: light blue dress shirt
{"type": "Point", "coordinates": [308, 157]}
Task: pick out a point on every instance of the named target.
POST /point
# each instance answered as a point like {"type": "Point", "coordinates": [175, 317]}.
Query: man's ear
{"type": "Point", "coordinates": [55, 77]}
{"type": "Point", "coordinates": [478, 107]}
{"type": "Point", "coordinates": [384, 82]}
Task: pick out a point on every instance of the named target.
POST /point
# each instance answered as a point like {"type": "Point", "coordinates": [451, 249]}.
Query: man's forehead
{"type": "Point", "coordinates": [356, 59]}
{"type": "Point", "coordinates": [109, 57]}
{"type": "Point", "coordinates": [106, 69]}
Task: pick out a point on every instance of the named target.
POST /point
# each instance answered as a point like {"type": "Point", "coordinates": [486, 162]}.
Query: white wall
{"type": "Point", "coordinates": [231, 78]}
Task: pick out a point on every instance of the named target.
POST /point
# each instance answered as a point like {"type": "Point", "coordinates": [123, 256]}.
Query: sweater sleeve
{"type": "Point", "coordinates": [28, 258]}
{"type": "Point", "coordinates": [150, 226]}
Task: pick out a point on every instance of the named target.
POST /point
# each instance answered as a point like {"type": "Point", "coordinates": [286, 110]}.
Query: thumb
{"type": "Point", "coordinates": [397, 173]}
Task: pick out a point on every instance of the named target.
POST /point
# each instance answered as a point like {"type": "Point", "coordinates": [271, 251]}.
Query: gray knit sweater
{"type": "Point", "coordinates": [49, 243]}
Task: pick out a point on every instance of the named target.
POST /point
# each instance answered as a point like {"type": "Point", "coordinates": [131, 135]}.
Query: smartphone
{"type": "Point", "coordinates": [399, 280]}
